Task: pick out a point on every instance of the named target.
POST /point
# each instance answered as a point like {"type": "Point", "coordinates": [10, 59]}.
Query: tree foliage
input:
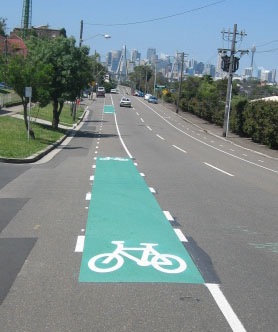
{"type": "Point", "coordinates": [140, 78]}
{"type": "Point", "coordinates": [206, 98]}
{"type": "Point", "coordinates": [26, 72]}
{"type": "Point", "coordinates": [3, 25]}
{"type": "Point", "coordinates": [71, 69]}
{"type": "Point", "coordinates": [261, 122]}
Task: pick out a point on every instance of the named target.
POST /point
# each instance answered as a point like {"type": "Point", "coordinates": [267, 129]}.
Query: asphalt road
{"type": "Point", "coordinates": [221, 197]}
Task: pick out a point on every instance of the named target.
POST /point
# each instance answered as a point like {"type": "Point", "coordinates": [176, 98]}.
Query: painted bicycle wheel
{"type": "Point", "coordinates": [169, 263]}
{"type": "Point", "coordinates": [105, 263]}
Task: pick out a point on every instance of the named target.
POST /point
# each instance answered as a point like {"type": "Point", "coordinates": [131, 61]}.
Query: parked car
{"type": "Point", "coordinates": [125, 102]}
{"type": "Point", "coordinates": [152, 100]}
{"type": "Point", "coordinates": [147, 96]}
{"type": "Point", "coordinates": [113, 91]}
{"type": "Point", "coordinates": [100, 91]}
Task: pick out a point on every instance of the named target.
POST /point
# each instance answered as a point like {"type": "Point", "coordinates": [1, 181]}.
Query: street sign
{"type": "Point", "coordinates": [28, 92]}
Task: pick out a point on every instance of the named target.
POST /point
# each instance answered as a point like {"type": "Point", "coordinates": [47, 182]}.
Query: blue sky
{"type": "Point", "coordinates": [197, 31]}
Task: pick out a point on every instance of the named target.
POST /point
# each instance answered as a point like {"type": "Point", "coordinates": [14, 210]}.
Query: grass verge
{"type": "Point", "coordinates": [14, 142]}
{"type": "Point", "coordinates": [46, 113]}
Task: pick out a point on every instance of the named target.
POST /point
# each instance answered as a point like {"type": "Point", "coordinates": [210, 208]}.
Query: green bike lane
{"type": "Point", "coordinates": [128, 237]}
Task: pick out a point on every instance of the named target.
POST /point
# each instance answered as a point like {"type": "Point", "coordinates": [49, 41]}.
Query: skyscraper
{"type": "Point", "coordinates": [151, 54]}
{"type": "Point", "coordinates": [135, 57]}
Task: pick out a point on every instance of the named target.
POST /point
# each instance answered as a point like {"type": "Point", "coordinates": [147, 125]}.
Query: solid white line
{"type": "Point", "coordinates": [218, 169]}
{"type": "Point", "coordinates": [211, 146]}
{"type": "Point", "coordinates": [163, 139]}
{"type": "Point", "coordinates": [180, 235]}
{"type": "Point", "coordinates": [179, 148]}
{"type": "Point", "coordinates": [225, 308]}
{"type": "Point", "coordinates": [123, 144]}
{"type": "Point", "coordinates": [80, 243]}
{"type": "Point", "coordinates": [168, 215]}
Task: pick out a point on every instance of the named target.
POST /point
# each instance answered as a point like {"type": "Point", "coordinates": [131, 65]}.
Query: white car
{"type": "Point", "coordinates": [125, 102]}
{"type": "Point", "coordinates": [147, 96]}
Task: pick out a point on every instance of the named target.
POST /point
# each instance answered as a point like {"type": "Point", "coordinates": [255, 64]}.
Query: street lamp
{"type": "Point", "coordinates": [81, 40]}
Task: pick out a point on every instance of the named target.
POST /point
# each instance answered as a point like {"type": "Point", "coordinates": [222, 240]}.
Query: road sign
{"type": "Point", "coordinates": [28, 92]}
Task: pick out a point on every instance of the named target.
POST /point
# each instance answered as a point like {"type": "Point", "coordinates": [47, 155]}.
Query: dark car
{"type": "Point", "coordinates": [152, 100]}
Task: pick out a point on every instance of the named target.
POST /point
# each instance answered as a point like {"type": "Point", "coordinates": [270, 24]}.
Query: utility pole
{"type": "Point", "coordinates": [179, 94]}
{"type": "Point", "coordinates": [229, 87]}
{"type": "Point", "coordinates": [81, 34]}
{"type": "Point", "coordinates": [230, 64]}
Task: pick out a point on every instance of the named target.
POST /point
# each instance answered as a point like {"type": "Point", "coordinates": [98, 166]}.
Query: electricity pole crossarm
{"type": "Point", "coordinates": [230, 64]}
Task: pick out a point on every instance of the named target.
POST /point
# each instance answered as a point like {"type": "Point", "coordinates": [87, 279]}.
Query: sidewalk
{"type": "Point", "coordinates": [11, 110]}
{"type": "Point", "coordinates": [212, 129]}
{"type": "Point", "coordinates": [14, 110]}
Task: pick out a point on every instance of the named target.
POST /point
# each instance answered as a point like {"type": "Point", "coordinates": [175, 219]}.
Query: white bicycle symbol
{"type": "Point", "coordinates": [109, 262]}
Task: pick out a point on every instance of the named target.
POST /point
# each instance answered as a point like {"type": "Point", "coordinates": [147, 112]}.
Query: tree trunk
{"type": "Point", "coordinates": [57, 109]}
{"type": "Point", "coordinates": [25, 116]}
{"type": "Point", "coordinates": [56, 115]}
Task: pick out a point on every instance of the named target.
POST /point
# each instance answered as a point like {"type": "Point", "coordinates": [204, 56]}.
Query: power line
{"type": "Point", "coordinates": [273, 41]}
{"type": "Point", "coordinates": [269, 51]}
{"type": "Point", "coordinates": [160, 18]}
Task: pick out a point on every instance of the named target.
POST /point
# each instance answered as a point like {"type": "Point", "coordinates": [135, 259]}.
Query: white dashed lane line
{"type": "Point", "coordinates": [180, 149]}
{"type": "Point", "coordinates": [218, 169]}
{"type": "Point", "coordinates": [162, 138]}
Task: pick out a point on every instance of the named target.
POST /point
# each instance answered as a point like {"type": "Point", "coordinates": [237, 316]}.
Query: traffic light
{"type": "Point", "coordinates": [235, 64]}
{"type": "Point", "coordinates": [225, 63]}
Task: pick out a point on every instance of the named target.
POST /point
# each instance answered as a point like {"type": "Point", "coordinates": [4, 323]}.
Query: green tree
{"type": "Point", "coordinates": [3, 26]}
{"type": "Point", "coordinates": [26, 72]}
{"type": "Point", "coordinates": [72, 69]}
{"type": "Point", "coordinates": [140, 78]}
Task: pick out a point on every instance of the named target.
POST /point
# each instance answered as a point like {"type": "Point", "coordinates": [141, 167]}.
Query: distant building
{"type": "Point", "coordinates": [135, 57]}
{"type": "Point", "coordinates": [12, 45]}
{"type": "Point", "coordinates": [151, 55]}
{"type": "Point", "coordinates": [266, 76]}
{"type": "Point", "coordinates": [115, 59]}
{"type": "Point", "coordinates": [199, 69]}
{"type": "Point", "coordinates": [209, 70]}
{"type": "Point", "coordinates": [247, 72]}
{"type": "Point", "coordinates": [109, 59]}
{"type": "Point", "coordinates": [42, 31]}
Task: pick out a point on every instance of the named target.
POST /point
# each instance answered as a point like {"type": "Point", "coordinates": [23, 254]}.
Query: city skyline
{"type": "Point", "coordinates": [191, 66]}
{"type": "Point", "coordinates": [193, 27]}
